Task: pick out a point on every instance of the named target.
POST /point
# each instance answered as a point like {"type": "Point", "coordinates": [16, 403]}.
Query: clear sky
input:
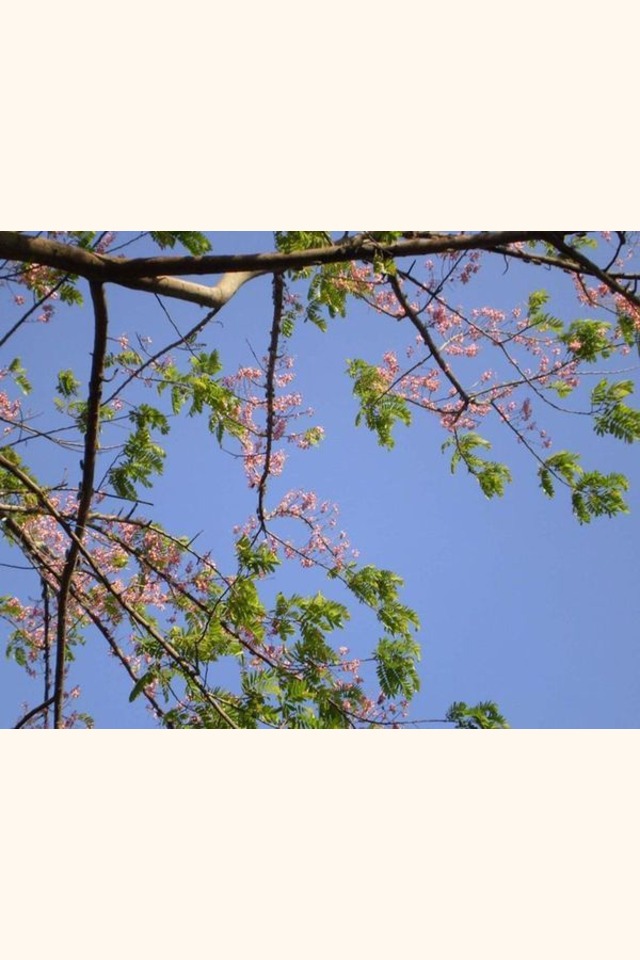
{"type": "Point", "coordinates": [518, 602]}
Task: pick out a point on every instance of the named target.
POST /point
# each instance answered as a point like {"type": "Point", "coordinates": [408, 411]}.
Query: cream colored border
{"type": "Point", "coordinates": [375, 845]}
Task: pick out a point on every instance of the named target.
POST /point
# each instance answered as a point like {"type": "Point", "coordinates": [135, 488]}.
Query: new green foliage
{"type": "Point", "coordinates": [396, 666]}
{"type": "Point", "coordinates": [379, 407]}
{"type": "Point", "coordinates": [593, 494]}
{"type": "Point", "coordinates": [328, 286]}
{"type": "Point", "coordinates": [19, 375]}
{"type": "Point", "coordinates": [599, 495]}
{"type": "Point", "coordinates": [611, 415]}
{"type": "Point", "coordinates": [629, 330]}
{"type": "Point", "coordinates": [68, 384]}
{"type": "Point", "coordinates": [141, 456]}
{"type": "Point", "coordinates": [397, 653]}
{"type": "Point", "coordinates": [201, 387]}
{"type": "Point", "coordinates": [589, 340]}
{"type": "Point", "coordinates": [258, 560]}
{"type": "Point", "coordinates": [483, 716]}
{"type": "Point", "coordinates": [539, 318]}
{"type": "Point", "coordinates": [312, 617]}
{"type": "Point", "coordinates": [379, 589]}
{"type": "Point", "coordinates": [192, 240]}
{"type": "Point", "coordinates": [491, 476]}
{"type": "Point", "coordinates": [290, 241]}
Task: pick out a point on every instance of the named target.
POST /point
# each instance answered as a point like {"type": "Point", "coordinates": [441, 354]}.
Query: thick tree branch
{"type": "Point", "coordinates": [161, 274]}
{"type": "Point", "coordinates": [86, 488]}
{"type": "Point", "coordinates": [214, 297]}
{"type": "Point", "coordinates": [358, 248]}
{"type": "Point", "coordinates": [122, 270]}
{"type": "Point", "coordinates": [104, 269]}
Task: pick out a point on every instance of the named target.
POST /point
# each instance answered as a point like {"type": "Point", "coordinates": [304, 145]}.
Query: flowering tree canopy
{"type": "Point", "coordinates": [208, 646]}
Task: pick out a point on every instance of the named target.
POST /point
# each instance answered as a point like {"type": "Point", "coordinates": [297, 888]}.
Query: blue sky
{"type": "Point", "coordinates": [518, 602]}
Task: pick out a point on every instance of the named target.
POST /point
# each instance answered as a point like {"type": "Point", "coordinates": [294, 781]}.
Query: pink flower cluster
{"type": "Point", "coordinates": [9, 410]}
{"type": "Point", "coordinates": [322, 544]}
{"type": "Point", "coordinates": [260, 416]}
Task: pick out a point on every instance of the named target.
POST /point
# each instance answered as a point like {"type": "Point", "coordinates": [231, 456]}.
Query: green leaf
{"type": "Point", "coordinates": [565, 464]}
{"type": "Point", "coordinates": [258, 560]}
{"type": "Point", "coordinates": [396, 667]}
{"type": "Point", "coordinates": [142, 682]}
{"type": "Point", "coordinates": [588, 340]}
{"type": "Point", "coordinates": [380, 408]}
{"type": "Point", "coordinates": [327, 288]}
{"type": "Point", "coordinates": [483, 716]}
{"type": "Point", "coordinates": [193, 241]}
{"type": "Point", "coordinates": [628, 329]}
{"type": "Point", "coordinates": [244, 609]}
{"type": "Point", "coordinates": [71, 295]}
{"type": "Point", "coordinates": [491, 476]}
{"type": "Point", "coordinates": [141, 456]}
{"type": "Point", "coordinates": [537, 316]}
{"type": "Point", "coordinates": [290, 241]}
{"type": "Point", "coordinates": [67, 384]}
{"type": "Point", "coordinates": [205, 393]}
{"type": "Point", "coordinates": [606, 394]}
{"type": "Point", "coordinates": [18, 653]}
{"type": "Point", "coordinates": [492, 479]}
{"type": "Point", "coordinates": [379, 589]}
{"type": "Point", "coordinates": [19, 375]}
{"type": "Point", "coordinates": [597, 495]}
{"type": "Point", "coordinates": [593, 494]}
{"type": "Point", "coordinates": [546, 481]}
{"type": "Point", "coordinates": [561, 387]}
{"type": "Point", "coordinates": [612, 416]}
{"type": "Point", "coordinates": [83, 238]}
{"type": "Point", "coordinates": [313, 315]}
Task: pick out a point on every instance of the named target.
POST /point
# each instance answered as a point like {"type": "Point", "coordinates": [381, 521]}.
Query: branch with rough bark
{"type": "Point", "coordinates": [162, 274]}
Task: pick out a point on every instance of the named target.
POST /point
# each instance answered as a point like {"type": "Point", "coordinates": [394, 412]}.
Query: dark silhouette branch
{"type": "Point", "coordinates": [429, 342]}
{"type": "Point", "coordinates": [157, 274]}
{"type": "Point", "coordinates": [33, 713]}
{"type": "Point", "coordinates": [161, 274]}
{"type": "Point", "coordinates": [86, 488]}
{"type": "Point", "coordinates": [278, 301]}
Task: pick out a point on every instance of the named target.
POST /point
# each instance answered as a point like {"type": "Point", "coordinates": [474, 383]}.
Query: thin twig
{"type": "Point", "coordinates": [34, 713]}
{"type": "Point", "coordinates": [424, 332]}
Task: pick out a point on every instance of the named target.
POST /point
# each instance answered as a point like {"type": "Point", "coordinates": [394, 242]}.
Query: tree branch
{"type": "Point", "coordinates": [38, 558]}
{"type": "Point", "coordinates": [105, 269]}
{"type": "Point", "coordinates": [122, 270]}
{"type": "Point", "coordinates": [33, 713]}
{"type": "Point", "coordinates": [86, 488]}
{"type": "Point", "coordinates": [278, 293]}
{"type": "Point", "coordinates": [423, 330]}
